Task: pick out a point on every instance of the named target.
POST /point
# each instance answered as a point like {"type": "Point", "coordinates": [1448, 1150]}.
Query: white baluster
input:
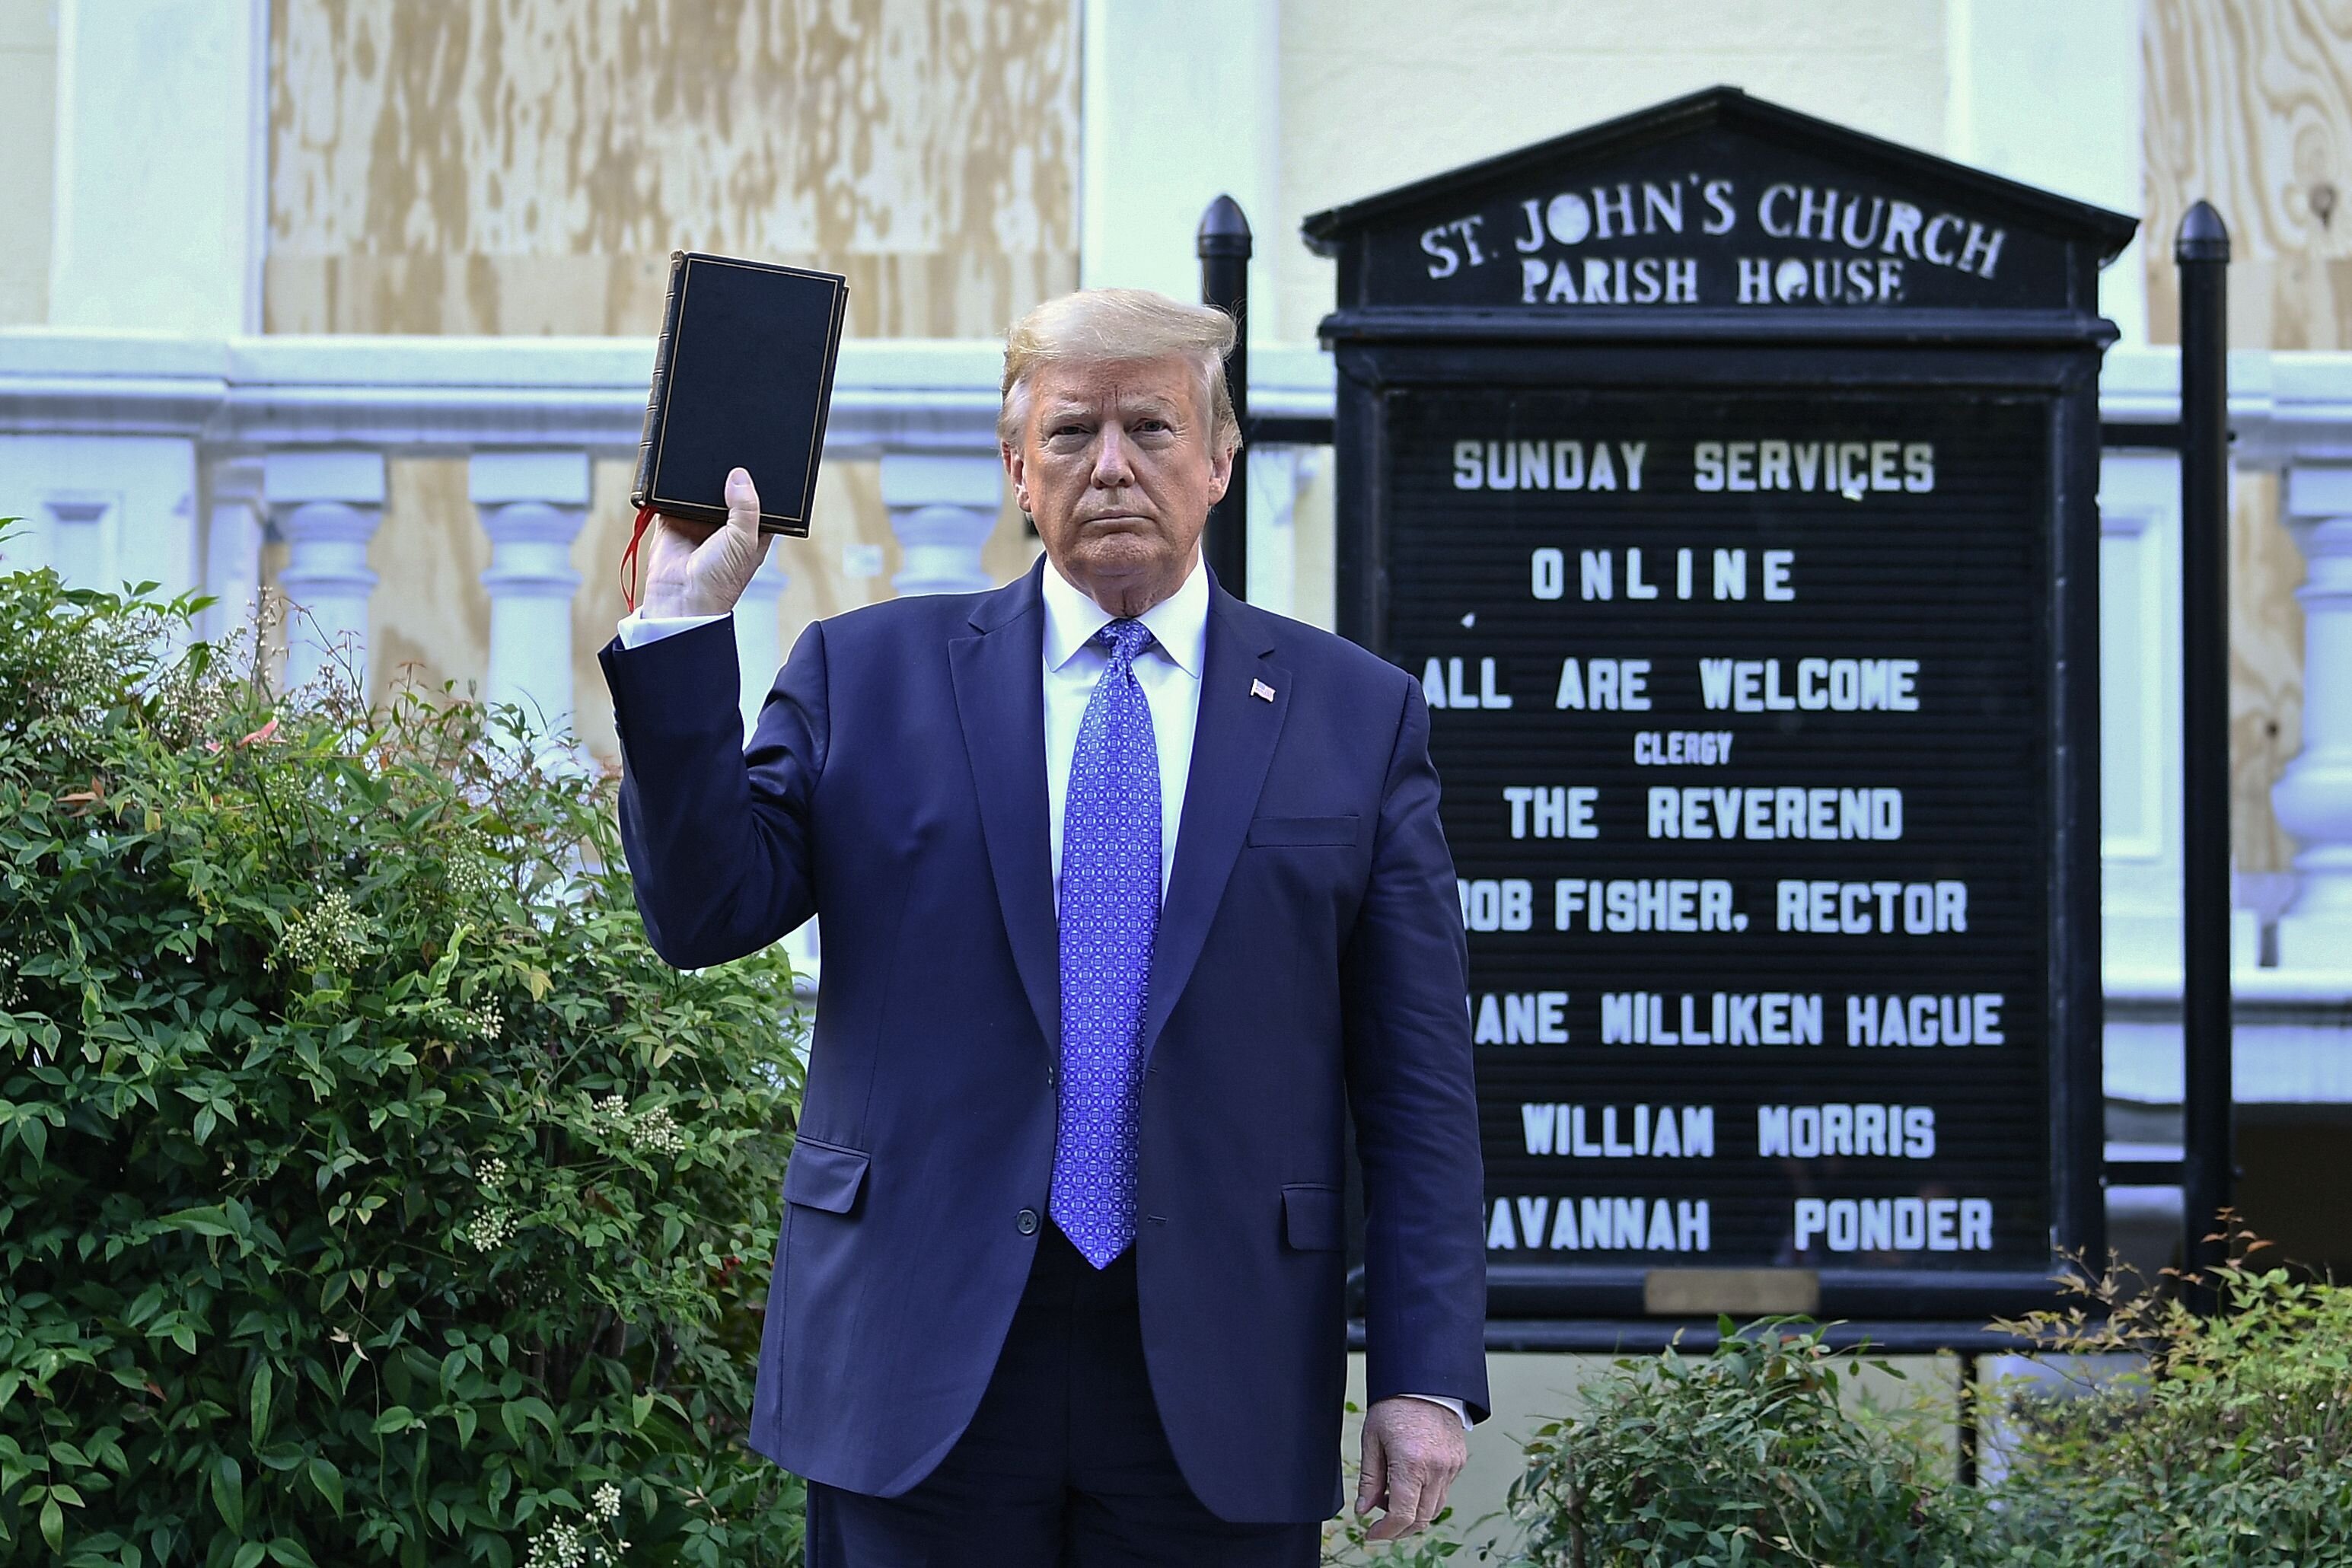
{"type": "Point", "coordinates": [232, 550]}
{"type": "Point", "coordinates": [942, 507]}
{"type": "Point", "coordinates": [1279, 476]}
{"type": "Point", "coordinates": [531, 505]}
{"type": "Point", "coordinates": [327, 506]}
{"type": "Point", "coordinates": [758, 640]}
{"type": "Point", "coordinates": [2314, 798]}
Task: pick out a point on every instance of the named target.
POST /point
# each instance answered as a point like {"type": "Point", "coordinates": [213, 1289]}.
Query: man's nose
{"type": "Point", "coordinates": [1114, 465]}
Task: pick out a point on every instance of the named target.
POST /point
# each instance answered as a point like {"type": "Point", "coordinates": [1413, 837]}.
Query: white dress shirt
{"type": "Point", "coordinates": [1169, 672]}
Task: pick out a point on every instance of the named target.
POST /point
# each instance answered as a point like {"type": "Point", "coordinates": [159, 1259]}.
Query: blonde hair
{"type": "Point", "coordinates": [1119, 326]}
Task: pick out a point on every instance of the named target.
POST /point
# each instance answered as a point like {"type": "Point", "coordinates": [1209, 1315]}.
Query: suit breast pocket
{"type": "Point", "coordinates": [1303, 832]}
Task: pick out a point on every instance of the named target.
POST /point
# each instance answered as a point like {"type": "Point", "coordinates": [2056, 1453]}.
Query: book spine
{"type": "Point", "coordinates": [658, 395]}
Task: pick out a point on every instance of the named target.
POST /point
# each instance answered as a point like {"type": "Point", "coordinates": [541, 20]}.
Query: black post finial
{"type": "Point", "coordinates": [2203, 236]}
{"type": "Point", "coordinates": [1224, 230]}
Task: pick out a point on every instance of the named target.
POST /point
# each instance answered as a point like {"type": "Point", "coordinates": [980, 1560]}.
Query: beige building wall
{"type": "Point", "coordinates": [527, 166]}
{"type": "Point", "coordinates": [28, 108]}
{"type": "Point", "coordinates": [1378, 93]}
{"type": "Point", "coordinates": [1375, 93]}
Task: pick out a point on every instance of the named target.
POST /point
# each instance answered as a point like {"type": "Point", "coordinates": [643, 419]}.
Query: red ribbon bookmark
{"type": "Point", "coordinates": [629, 559]}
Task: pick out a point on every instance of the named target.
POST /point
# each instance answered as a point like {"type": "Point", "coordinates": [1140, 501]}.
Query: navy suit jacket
{"type": "Point", "coordinates": [1309, 964]}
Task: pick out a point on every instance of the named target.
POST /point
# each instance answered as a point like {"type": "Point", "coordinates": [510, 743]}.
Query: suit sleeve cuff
{"type": "Point", "coordinates": [637, 629]}
{"type": "Point", "coordinates": [1461, 1411]}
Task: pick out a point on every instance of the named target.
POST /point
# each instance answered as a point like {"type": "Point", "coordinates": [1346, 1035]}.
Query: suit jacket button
{"type": "Point", "coordinates": [1026, 1222]}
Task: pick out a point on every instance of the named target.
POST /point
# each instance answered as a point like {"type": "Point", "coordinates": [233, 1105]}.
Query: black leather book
{"type": "Point", "coordinates": [742, 378]}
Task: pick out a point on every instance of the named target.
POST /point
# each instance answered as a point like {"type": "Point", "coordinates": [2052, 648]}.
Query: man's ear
{"type": "Point", "coordinates": [1013, 468]}
{"type": "Point", "coordinates": [1220, 474]}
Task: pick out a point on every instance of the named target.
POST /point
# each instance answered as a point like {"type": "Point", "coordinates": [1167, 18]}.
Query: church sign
{"type": "Point", "coordinates": [1729, 479]}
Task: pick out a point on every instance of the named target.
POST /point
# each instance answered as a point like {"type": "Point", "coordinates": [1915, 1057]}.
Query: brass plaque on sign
{"type": "Point", "coordinates": [1741, 1292]}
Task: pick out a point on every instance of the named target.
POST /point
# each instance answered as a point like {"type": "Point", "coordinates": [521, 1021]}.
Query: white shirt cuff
{"type": "Point", "coordinates": [1461, 1411]}
{"type": "Point", "coordinates": [640, 628]}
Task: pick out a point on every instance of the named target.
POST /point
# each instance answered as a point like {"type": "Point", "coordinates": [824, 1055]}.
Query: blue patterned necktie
{"type": "Point", "coordinates": [1110, 910]}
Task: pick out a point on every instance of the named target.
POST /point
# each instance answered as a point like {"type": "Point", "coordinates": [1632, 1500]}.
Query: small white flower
{"type": "Point", "coordinates": [329, 934]}
{"type": "Point", "coordinates": [657, 1133]}
{"type": "Point", "coordinates": [492, 1174]}
{"type": "Point", "coordinates": [471, 875]}
{"type": "Point", "coordinates": [489, 1230]}
{"type": "Point", "coordinates": [606, 1501]}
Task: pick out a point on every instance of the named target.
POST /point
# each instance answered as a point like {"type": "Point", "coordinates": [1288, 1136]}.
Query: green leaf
{"type": "Point", "coordinates": [207, 1220]}
{"type": "Point", "coordinates": [250, 1554]}
{"type": "Point", "coordinates": [291, 1552]}
{"type": "Point", "coordinates": [327, 1482]}
{"type": "Point", "coordinates": [53, 1525]}
{"type": "Point", "coordinates": [265, 1383]}
{"type": "Point", "coordinates": [229, 1492]}
{"type": "Point", "coordinates": [399, 1418]}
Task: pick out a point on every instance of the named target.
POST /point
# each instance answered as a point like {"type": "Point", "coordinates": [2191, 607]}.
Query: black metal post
{"type": "Point", "coordinates": [1967, 1438]}
{"type": "Point", "coordinates": [2202, 255]}
{"type": "Point", "coordinates": [1223, 247]}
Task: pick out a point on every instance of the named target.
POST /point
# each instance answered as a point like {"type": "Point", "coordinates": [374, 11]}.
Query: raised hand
{"type": "Point", "coordinates": [695, 569]}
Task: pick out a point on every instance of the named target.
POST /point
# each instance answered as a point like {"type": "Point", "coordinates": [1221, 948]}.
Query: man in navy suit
{"type": "Point", "coordinates": [1133, 895]}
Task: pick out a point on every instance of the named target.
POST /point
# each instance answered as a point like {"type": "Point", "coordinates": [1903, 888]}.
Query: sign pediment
{"type": "Point", "coordinates": [1718, 202]}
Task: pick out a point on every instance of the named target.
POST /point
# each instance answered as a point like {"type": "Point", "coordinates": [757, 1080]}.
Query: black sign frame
{"type": "Point", "coordinates": [2042, 344]}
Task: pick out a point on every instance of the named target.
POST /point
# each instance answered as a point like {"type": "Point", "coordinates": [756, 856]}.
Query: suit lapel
{"type": "Point", "coordinates": [1232, 746]}
{"type": "Point", "coordinates": [999, 700]}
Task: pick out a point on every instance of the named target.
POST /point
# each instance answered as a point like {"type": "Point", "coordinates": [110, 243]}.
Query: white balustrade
{"type": "Point", "coordinates": [531, 505]}
{"type": "Point", "coordinates": [943, 506]}
{"type": "Point", "coordinates": [759, 637]}
{"type": "Point", "coordinates": [102, 436]}
{"type": "Point", "coordinates": [2139, 713]}
{"type": "Point", "coordinates": [327, 505]}
{"type": "Point", "coordinates": [2313, 798]}
{"type": "Point", "coordinates": [1279, 476]}
{"type": "Point", "coordinates": [233, 539]}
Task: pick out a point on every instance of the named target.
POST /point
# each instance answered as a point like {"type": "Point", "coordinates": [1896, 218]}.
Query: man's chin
{"type": "Point", "coordinates": [1127, 556]}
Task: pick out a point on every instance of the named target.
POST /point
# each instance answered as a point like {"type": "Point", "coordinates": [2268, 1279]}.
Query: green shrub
{"type": "Point", "coordinates": [2235, 1447]}
{"type": "Point", "coordinates": [1747, 1455]}
{"type": "Point", "coordinates": [369, 1190]}
{"type": "Point", "coordinates": [2231, 1448]}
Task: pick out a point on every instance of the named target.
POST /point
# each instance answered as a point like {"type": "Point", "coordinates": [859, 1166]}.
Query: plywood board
{"type": "Point", "coordinates": [527, 165]}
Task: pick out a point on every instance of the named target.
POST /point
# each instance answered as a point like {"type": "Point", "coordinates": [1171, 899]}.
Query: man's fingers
{"type": "Point", "coordinates": [1433, 1499]}
{"type": "Point", "coordinates": [743, 501]}
{"type": "Point", "coordinates": [1403, 1516]}
{"type": "Point", "coordinates": [1373, 1480]}
{"type": "Point", "coordinates": [699, 568]}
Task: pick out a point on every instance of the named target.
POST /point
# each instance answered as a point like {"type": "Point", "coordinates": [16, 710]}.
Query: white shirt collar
{"type": "Point", "coordinates": [1179, 623]}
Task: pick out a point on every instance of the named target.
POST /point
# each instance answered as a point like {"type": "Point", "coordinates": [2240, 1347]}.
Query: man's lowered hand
{"type": "Point", "coordinates": [695, 569]}
{"type": "Point", "coordinates": [1413, 1451]}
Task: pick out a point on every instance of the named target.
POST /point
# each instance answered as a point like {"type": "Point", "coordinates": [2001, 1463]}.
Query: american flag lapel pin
{"type": "Point", "coordinates": [1261, 691]}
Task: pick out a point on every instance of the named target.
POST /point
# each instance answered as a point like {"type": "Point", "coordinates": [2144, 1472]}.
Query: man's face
{"type": "Point", "coordinates": [1118, 469]}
